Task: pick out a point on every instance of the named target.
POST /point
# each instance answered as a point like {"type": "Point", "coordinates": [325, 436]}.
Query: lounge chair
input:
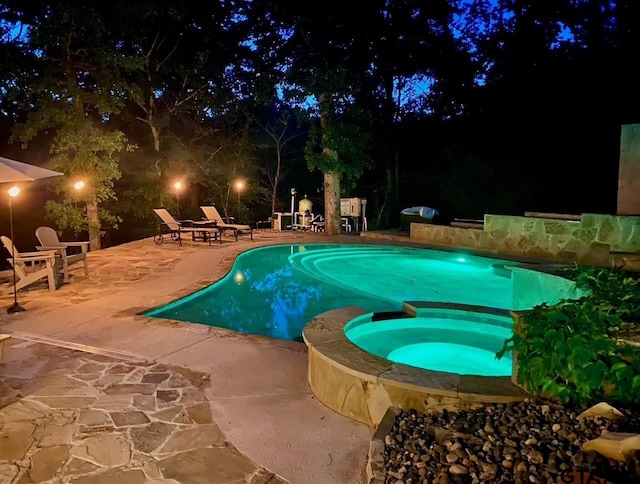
{"type": "Point", "coordinates": [31, 267]}
{"type": "Point", "coordinates": [69, 252]}
{"type": "Point", "coordinates": [211, 214]}
{"type": "Point", "coordinates": [176, 228]}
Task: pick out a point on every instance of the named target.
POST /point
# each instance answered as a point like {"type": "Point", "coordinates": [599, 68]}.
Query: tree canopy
{"type": "Point", "coordinates": [468, 106]}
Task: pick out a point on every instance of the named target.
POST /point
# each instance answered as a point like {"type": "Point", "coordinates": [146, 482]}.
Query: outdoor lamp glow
{"type": "Point", "coordinates": [178, 186]}
{"type": "Point", "coordinates": [14, 191]}
{"type": "Point", "coordinates": [79, 185]}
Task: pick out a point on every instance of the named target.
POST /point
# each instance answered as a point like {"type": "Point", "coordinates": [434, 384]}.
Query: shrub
{"type": "Point", "coordinates": [581, 350]}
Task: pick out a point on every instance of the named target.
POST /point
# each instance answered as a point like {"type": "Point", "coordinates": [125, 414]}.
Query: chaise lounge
{"type": "Point", "coordinates": [211, 214]}
{"type": "Point", "coordinates": [177, 228]}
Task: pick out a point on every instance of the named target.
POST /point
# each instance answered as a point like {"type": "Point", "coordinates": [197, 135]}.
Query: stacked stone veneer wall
{"type": "Point", "coordinates": [590, 240]}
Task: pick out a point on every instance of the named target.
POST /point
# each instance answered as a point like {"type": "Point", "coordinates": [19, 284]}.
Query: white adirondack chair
{"type": "Point", "coordinates": [31, 267]}
{"type": "Point", "coordinates": [69, 252]}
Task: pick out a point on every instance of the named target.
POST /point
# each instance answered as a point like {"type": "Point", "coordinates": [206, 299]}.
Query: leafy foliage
{"type": "Point", "coordinates": [581, 350]}
{"type": "Point", "coordinates": [90, 154]}
{"type": "Point", "coordinates": [343, 136]}
{"type": "Point", "coordinates": [453, 90]}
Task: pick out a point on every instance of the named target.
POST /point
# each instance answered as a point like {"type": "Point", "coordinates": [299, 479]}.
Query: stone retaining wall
{"type": "Point", "coordinates": [591, 240]}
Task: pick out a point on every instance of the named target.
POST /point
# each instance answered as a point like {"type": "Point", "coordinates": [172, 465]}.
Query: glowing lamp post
{"type": "Point", "coordinates": [177, 186]}
{"type": "Point", "coordinates": [78, 187]}
{"type": "Point", "coordinates": [13, 192]}
{"type": "Point", "coordinates": [239, 186]}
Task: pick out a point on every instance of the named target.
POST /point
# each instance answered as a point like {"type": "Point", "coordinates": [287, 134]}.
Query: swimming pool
{"type": "Point", "coordinates": [275, 290]}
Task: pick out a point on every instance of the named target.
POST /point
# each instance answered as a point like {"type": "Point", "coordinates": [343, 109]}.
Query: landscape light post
{"type": "Point", "coordinates": [239, 187]}
{"type": "Point", "coordinates": [77, 186]}
{"type": "Point", "coordinates": [178, 186]}
{"type": "Point", "coordinates": [14, 191]}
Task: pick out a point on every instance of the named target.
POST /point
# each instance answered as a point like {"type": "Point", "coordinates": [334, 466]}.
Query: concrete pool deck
{"type": "Point", "coordinates": [81, 369]}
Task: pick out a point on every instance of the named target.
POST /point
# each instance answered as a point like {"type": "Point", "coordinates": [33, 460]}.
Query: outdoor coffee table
{"type": "Point", "coordinates": [206, 234]}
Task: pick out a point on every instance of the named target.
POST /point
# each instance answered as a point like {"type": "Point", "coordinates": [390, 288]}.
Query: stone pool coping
{"type": "Point", "coordinates": [362, 386]}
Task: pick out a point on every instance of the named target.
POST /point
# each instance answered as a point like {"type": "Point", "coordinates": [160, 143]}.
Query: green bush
{"type": "Point", "coordinates": [579, 350]}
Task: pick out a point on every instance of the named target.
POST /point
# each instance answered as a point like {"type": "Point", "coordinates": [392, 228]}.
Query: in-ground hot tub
{"type": "Point", "coordinates": [454, 340]}
{"type": "Point", "coordinates": [362, 385]}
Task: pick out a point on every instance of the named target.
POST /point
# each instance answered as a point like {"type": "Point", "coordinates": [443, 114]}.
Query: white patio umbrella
{"type": "Point", "coordinates": [12, 171]}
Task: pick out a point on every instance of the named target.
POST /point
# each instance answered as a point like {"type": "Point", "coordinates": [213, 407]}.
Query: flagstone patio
{"type": "Point", "coordinates": [93, 392]}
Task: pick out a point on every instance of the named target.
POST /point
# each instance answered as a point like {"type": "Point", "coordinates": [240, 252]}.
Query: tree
{"type": "Point", "coordinates": [170, 69]}
{"type": "Point", "coordinates": [536, 87]}
{"type": "Point", "coordinates": [186, 84]}
{"type": "Point", "coordinates": [281, 133]}
{"type": "Point", "coordinates": [556, 90]}
{"type": "Point", "coordinates": [163, 65]}
{"type": "Point", "coordinates": [319, 51]}
{"type": "Point", "coordinates": [215, 157]}
{"type": "Point", "coordinates": [94, 162]}
{"type": "Point", "coordinates": [353, 63]}
{"type": "Point", "coordinates": [337, 146]}
{"type": "Point", "coordinates": [71, 93]}
{"type": "Point", "coordinates": [418, 69]}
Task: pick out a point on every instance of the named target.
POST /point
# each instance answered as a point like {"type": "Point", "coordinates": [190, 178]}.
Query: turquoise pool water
{"type": "Point", "coordinates": [275, 290]}
{"type": "Point", "coordinates": [449, 340]}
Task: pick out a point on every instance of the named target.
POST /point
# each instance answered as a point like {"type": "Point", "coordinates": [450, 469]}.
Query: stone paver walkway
{"type": "Point", "coordinates": [68, 416]}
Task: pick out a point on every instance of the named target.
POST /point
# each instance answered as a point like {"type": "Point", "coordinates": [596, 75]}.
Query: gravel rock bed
{"type": "Point", "coordinates": [535, 441]}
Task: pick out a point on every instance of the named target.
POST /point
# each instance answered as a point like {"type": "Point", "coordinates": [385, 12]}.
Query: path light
{"type": "Point", "coordinates": [239, 187]}
{"type": "Point", "coordinates": [78, 186]}
{"type": "Point", "coordinates": [178, 187]}
{"type": "Point", "coordinates": [14, 191]}
{"type": "Point", "coordinates": [12, 171]}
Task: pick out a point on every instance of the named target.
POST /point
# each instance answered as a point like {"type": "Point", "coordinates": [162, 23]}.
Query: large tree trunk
{"type": "Point", "coordinates": [332, 225]}
{"type": "Point", "coordinates": [94, 223]}
{"type": "Point", "coordinates": [332, 215]}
